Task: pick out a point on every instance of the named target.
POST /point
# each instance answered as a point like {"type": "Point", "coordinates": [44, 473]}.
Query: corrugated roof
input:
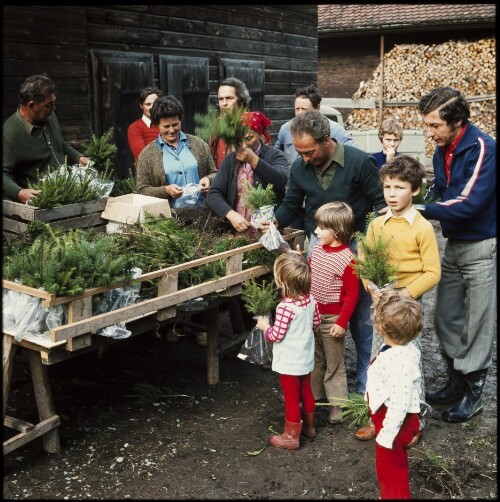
{"type": "Point", "coordinates": [363, 17]}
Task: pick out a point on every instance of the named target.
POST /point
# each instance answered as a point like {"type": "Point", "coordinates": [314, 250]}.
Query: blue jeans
{"type": "Point", "coordinates": [360, 326]}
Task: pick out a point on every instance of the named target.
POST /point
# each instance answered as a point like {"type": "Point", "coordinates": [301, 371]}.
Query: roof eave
{"type": "Point", "coordinates": [407, 27]}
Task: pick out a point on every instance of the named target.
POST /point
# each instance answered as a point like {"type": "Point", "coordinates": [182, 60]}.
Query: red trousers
{"type": "Point", "coordinates": [296, 390]}
{"type": "Point", "coordinates": [392, 465]}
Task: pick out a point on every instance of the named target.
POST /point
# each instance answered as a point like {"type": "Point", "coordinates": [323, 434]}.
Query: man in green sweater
{"type": "Point", "coordinates": [32, 140]}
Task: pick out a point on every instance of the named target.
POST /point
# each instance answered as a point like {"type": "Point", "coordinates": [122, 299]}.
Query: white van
{"type": "Point", "coordinates": [332, 113]}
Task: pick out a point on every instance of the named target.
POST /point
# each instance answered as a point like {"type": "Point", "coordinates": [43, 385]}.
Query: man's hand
{"type": "Point", "coordinates": [237, 221]}
{"type": "Point", "coordinates": [27, 194]}
{"type": "Point", "coordinates": [84, 161]}
{"type": "Point", "coordinates": [264, 225]}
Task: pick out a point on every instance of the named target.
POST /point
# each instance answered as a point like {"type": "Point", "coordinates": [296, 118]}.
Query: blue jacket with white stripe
{"type": "Point", "coordinates": [466, 207]}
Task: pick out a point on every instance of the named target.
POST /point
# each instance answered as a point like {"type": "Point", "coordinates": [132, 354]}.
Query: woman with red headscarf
{"type": "Point", "coordinates": [253, 162]}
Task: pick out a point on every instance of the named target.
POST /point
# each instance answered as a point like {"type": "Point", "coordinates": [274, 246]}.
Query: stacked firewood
{"type": "Point", "coordinates": [411, 71]}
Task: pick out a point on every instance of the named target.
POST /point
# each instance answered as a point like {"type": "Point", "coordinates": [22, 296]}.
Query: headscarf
{"type": "Point", "coordinates": [258, 122]}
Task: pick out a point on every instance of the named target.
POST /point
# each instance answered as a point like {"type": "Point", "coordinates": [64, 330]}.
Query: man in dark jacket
{"type": "Point", "coordinates": [463, 199]}
{"type": "Point", "coordinates": [32, 140]}
{"type": "Point", "coordinates": [325, 171]}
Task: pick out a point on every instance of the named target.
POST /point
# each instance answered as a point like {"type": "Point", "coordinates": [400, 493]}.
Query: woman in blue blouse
{"type": "Point", "coordinates": [174, 159]}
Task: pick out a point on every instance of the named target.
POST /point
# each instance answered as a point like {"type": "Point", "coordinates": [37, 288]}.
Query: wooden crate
{"type": "Point", "coordinates": [16, 216]}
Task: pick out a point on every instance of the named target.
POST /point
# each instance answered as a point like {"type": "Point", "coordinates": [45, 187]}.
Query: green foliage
{"type": "Point", "coordinates": [419, 198]}
{"type": "Point", "coordinates": [60, 187]}
{"type": "Point", "coordinates": [124, 186]}
{"type": "Point", "coordinates": [103, 153]}
{"type": "Point", "coordinates": [65, 264]}
{"type": "Point", "coordinates": [355, 408]}
{"type": "Point", "coordinates": [374, 264]}
{"type": "Point", "coordinates": [259, 299]}
{"type": "Point", "coordinates": [205, 124]}
{"type": "Point", "coordinates": [227, 126]}
{"type": "Point", "coordinates": [257, 197]}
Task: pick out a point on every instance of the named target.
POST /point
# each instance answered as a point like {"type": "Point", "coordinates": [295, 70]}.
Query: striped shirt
{"type": "Point", "coordinates": [334, 282]}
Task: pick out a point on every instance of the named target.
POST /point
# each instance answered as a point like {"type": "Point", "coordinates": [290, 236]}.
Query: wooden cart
{"type": "Point", "coordinates": [77, 336]}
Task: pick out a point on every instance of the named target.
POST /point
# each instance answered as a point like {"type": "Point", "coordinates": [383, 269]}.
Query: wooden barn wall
{"type": "Point", "coordinates": [345, 61]}
{"type": "Point", "coordinates": [49, 40]}
{"type": "Point", "coordinates": [60, 40]}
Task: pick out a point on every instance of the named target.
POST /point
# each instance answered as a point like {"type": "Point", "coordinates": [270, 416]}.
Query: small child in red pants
{"type": "Point", "coordinates": [392, 390]}
{"type": "Point", "coordinates": [293, 346]}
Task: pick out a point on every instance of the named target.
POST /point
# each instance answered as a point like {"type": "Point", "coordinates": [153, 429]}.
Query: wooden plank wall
{"type": "Point", "coordinates": [51, 40]}
{"type": "Point", "coordinates": [57, 40]}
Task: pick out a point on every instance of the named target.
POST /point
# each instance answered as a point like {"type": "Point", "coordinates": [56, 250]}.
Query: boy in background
{"type": "Point", "coordinates": [390, 135]}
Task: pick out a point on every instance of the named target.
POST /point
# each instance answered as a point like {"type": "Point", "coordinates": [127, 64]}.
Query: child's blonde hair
{"type": "Point", "coordinates": [390, 126]}
{"type": "Point", "coordinates": [337, 217]}
{"type": "Point", "coordinates": [398, 317]}
{"type": "Point", "coordinates": [292, 274]}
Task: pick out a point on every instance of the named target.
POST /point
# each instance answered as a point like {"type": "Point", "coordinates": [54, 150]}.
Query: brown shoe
{"type": "Point", "coordinates": [335, 416]}
{"type": "Point", "coordinates": [365, 433]}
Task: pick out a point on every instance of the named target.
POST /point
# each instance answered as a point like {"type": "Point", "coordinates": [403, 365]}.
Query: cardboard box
{"type": "Point", "coordinates": [132, 208]}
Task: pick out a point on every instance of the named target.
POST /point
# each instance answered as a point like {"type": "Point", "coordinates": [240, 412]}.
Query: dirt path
{"type": "Point", "coordinates": [179, 438]}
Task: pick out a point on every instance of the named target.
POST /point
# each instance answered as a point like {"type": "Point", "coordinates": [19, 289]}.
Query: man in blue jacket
{"type": "Point", "coordinates": [327, 170]}
{"type": "Point", "coordinates": [463, 199]}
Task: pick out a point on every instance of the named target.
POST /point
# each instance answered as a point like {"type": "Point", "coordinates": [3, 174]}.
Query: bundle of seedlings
{"type": "Point", "coordinates": [256, 197]}
{"type": "Point", "coordinates": [372, 262]}
{"type": "Point", "coordinates": [355, 409]}
{"type": "Point", "coordinates": [65, 264]}
{"type": "Point", "coordinates": [227, 126]}
{"type": "Point", "coordinates": [259, 299]}
{"type": "Point", "coordinates": [60, 186]}
{"type": "Point", "coordinates": [103, 152]}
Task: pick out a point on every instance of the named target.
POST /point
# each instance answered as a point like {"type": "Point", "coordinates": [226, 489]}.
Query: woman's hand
{"type": "Point", "coordinates": [174, 191]}
{"type": "Point", "coordinates": [247, 155]}
{"type": "Point", "coordinates": [237, 221]}
{"type": "Point", "coordinates": [204, 184]}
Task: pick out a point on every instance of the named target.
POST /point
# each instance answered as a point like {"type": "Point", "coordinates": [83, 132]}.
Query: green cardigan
{"type": "Point", "coordinates": [24, 155]}
{"type": "Point", "coordinates": [357, 182]}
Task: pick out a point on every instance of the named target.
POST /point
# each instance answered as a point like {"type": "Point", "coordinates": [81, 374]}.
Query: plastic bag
{"type": "Point", "coordinates": [116, 299]}
{"type": "Point", "coordinates": [273, 240]}
{"type": "Point", "coordinates": [256, 349]}
{"type": "Point", "coordinates": [9, 297]}
{"type": "Point", "coordinates": [29, 316]}
{"type": "Point", "coordinates": [102, 186]}
{"type": "Point", "coordinates": [190, 196]}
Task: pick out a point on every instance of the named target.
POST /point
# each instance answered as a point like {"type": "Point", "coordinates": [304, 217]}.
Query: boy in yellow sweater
{"type": "Point", "coordinates": [412, 245]}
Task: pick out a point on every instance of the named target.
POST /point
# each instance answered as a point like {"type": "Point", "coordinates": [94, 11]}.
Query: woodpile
{"type": "Point", "coordinates": [411, 71]}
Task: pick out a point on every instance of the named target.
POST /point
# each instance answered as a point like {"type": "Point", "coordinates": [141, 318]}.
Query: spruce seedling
{"type": "Point", "coordinates": [374, 264]}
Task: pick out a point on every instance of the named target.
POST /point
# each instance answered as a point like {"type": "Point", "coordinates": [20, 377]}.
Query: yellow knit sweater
{"type": "Point", "coordinates": [412, 248]}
